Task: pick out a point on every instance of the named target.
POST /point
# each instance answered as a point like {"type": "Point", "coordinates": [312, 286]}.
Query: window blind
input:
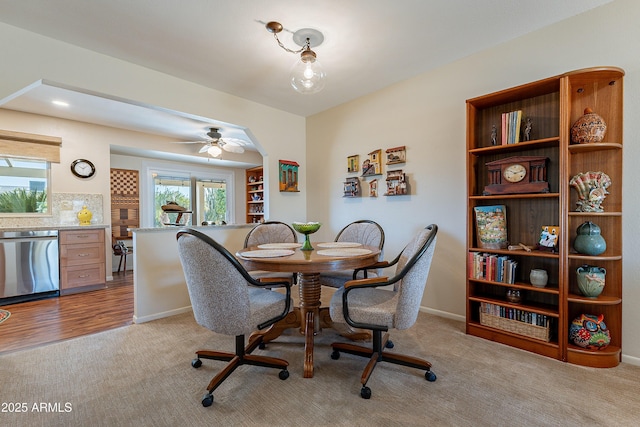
{"type": "Point", "coordinates": [18, 144]}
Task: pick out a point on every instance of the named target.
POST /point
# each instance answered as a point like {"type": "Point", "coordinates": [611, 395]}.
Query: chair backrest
{"type": "Point", "coordinates": [270, 232]}
{"type": "Point", "coordinates": [217, 284]}
{"type": "Point", "coordinates": [120, 249]}
{"type": "Point", "coordinates": [412, 271]}
{"type": "Point", "coordinates": [364, 231]}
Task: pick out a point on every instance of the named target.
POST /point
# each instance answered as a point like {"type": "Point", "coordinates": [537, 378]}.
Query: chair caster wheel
{"type": "Point", "coordinates": [335, 355]}
{"type": "Point", "coordinates": [365, 392]}
{"type": "Point", "coordinates": [196, 363]}
{"type": "Point", "coordinates": [430, 376]}
{"type": "Point", "coordinates": [262, 346]}
{"type": "Point", "coordinates": [207, 400]}
{"type": "Point", "coordinates": [390, 344]}
{"type": "Point", "coordinates": [283, 375]}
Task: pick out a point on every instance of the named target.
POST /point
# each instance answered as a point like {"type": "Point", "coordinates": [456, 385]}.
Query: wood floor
{"type": "Point", "coordinates": [45, 321]}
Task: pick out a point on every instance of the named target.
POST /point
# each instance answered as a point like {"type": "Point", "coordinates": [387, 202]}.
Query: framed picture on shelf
{"type": "Point", "coordinates": [353, 163]}
{"type": "Point", "coordinates": [491, 226]}
{"type": "Point", "coordinates": [549, 236]}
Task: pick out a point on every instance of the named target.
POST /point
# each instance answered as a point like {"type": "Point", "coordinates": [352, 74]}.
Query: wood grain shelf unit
{"type": "Point", "coordinates": [554, 104]}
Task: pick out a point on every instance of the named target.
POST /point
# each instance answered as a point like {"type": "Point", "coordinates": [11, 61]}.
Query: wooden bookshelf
{"type": "Point", "coordinates": [553, 104]}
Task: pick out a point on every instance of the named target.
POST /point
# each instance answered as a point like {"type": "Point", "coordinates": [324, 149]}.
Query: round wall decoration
{"type": "Point", "coordinates": [83, 168]}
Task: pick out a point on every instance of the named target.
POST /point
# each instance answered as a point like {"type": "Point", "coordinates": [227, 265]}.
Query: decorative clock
{"type": "Point", "coordinates": [83, 168]}
{"type": "Point", "coordinates": [519, 174]}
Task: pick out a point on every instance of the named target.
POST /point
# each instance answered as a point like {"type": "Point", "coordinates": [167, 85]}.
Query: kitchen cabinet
{"type": "Point", "coordinates": [82, 260]}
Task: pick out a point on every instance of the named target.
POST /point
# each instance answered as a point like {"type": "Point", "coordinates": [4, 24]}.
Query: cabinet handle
{"type": "Point", "coordinates": [81, 255]}
{"type": "Point", "coordinates": [82, 276]}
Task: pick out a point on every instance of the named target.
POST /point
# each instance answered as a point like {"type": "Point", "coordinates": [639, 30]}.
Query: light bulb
{"type": "Point", "coordinates": [307, 75]}
{"type": "Point", "coordinates": [214, 151]}
{"type": "Point", "coordinates": [308, 72]}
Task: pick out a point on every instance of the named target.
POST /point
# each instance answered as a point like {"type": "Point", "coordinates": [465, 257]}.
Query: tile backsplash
{"type": "Point", "coordinates": [64, 211]}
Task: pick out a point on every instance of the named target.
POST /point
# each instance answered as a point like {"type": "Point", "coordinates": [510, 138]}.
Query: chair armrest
{"type": "Point", "coordinates": [371, 282]}
{"type": "Point", "coordinates": [275, 280]}
{"type": "Point", "coordinates": [377, 265]}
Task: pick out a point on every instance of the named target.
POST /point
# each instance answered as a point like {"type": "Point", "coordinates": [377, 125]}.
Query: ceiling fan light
{"type": "Point", "coordinates": [214, 151]}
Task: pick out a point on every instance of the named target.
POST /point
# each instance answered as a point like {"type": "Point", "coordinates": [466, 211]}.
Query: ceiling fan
{"type": "Point", "coordinates": [217, 143]}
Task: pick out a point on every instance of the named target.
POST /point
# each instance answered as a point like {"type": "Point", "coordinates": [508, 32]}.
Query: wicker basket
{"type": "Point", "coordinates": [515, 326]}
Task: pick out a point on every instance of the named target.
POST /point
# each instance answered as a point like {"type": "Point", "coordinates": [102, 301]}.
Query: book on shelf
{"type": "Point", "coordinates": [496, 268]}
{"type": "Point", "coordinates": [511, 123]}
{"type": "Point", "coordinates": [520, 315]}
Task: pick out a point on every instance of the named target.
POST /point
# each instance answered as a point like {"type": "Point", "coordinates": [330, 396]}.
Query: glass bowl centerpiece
{"type": "Point", "coordinates": [306, 228]}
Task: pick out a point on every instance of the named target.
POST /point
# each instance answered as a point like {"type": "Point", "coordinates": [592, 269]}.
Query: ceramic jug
{"type": "Point", "coordinates": [85, 216]}
{"type": "Point", "coordinates": [591, 280]}
{"type": "Point", "coordinates": [589, 241]}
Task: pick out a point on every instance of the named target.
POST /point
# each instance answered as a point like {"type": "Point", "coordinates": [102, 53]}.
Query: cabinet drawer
{"type": "Point", "coordinates": [82, 236]}
{"type": "Point", "coordinates": [81, 254]}
{"type": "Point", "coordinates": [82, 275]}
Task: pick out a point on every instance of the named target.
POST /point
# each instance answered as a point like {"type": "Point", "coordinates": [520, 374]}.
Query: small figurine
{"type": "Point", "coordinates": [494, 135]}
{"type": "Point", "coordinates": [527, 129]}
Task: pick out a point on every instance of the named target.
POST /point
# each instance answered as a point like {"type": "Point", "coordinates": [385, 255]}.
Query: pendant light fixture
{"type": "Point", "coordinates": [307, 75]}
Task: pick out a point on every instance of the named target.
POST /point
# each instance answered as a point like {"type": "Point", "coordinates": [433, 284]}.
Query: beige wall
{"type": "Point", "coordinates": [427, 114]}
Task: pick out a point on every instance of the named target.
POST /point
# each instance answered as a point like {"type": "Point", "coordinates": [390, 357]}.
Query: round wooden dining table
{"type": "Point", "coordinates": [308, 265]}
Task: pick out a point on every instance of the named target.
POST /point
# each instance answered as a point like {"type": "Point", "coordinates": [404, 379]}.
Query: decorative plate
{"type": "Point", "coordinates": [339, 245]}
{"type": "Point", "coordinates": [267, 253]}
{"type": "Point", "coordinates": [291, 245]}
{"type": "Point", "coordinates": [344, 252]}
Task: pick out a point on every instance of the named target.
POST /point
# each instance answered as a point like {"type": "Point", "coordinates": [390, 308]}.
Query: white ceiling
{"type": "Point", "coordinates": [223, 45]}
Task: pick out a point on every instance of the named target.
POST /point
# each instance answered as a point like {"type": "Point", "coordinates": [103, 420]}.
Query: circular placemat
{"type": "Point", "coordinates": [339, 245]}
{"type": "Point", "coordinates": [344, 252]}
{"type": "Point", "coordinates": [267, 253]}
{"type": "Point", "coordinates": [291, 245]}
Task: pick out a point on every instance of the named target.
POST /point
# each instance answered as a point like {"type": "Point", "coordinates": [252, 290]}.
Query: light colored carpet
{"type": "Point", "coordinates": [140, 375]}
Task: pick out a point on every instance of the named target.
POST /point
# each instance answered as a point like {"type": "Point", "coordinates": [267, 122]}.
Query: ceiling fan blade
{"type": "Point", "coordinates": [189, 142]}
{"type": "Point", "coordinates": [233, 148]}
{"type": "Point", "coordinates": [232, 145]}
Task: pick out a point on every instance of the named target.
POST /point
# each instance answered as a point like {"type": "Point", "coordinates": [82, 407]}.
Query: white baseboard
{"type": "Point", "coordinates": [631, 360]}
{"type": "Point", "coordinates": [444, 314]}
{"type": "Point", "coordinates": [164, 314]}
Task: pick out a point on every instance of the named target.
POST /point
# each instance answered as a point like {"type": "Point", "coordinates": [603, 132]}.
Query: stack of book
{"type": "Point", "coordinates": [497, 268]}
{"type": "Point", "coordinates": [511, 127]}
{"type": "Point", "coordinates": [517, 321]}
{"type": "Point", "coordinates": [515, 314]}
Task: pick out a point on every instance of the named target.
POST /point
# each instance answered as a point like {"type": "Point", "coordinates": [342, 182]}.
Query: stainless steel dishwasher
{"type": "Point", "coordinates": [29, 265]}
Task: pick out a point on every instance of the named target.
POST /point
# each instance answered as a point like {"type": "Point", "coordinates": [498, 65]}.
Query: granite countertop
{"type": "Point", "coordinates": [54, 227]}
{"type": "Point", "coordinates": [196, 227]}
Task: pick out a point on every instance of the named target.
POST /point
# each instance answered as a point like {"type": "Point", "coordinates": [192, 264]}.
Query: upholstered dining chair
{"type": "Point", "coordinates": [227, 300]}
{"type": "Point", "coordinates": [365, 232]}
{"type": "Point", "coordinates": [270, 232]}
{"type": "Point", "coordinates": [364, 303]}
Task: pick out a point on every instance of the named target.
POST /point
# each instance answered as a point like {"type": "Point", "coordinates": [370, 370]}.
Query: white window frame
{"type": "Point", "coordinates": [187, 172]}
